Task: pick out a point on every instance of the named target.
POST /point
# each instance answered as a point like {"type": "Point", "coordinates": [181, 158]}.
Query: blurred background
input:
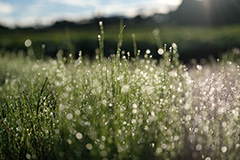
{"type": "Point", "coordinates": [200, 28]}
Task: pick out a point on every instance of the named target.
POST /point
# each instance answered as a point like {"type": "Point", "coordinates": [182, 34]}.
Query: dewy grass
{"type": "Point", "coordinates": [28, 118]}
{"type": "Point", "coordinates": [119, 109]}
{"type": "Point", "coordinates": [101, 40]}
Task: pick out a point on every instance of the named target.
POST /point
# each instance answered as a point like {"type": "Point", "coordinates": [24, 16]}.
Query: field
{"type": "Point", "coordinates": [193, 41]}
{"type": "Point", "coordinates": [121, 107]}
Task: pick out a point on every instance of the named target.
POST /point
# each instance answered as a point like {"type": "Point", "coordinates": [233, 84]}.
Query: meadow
{"type": "Point", "coordinates": [120, 107]}
{"type": "Point", "coordinates": [193, 41]}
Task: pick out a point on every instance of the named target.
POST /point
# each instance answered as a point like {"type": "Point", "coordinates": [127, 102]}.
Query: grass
{"type": "Point", "coordinates": [119, 107]}
{"type": "Point", "coordinates": [194, 41]}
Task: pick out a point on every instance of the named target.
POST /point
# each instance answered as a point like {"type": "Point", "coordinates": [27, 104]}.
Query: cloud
{"type": "Point", "coordinates": [168, 2]}
{"type": "Point", "coordinates": [80, 3]}
{"type": "Point", "coordinates": [5, 8]}
{"type": "Point", "coordinates": [133, 8]}
{"type": "Point", "coordinates": [37, 21]}
{"type": "Point", "coordinates": [46, 12]}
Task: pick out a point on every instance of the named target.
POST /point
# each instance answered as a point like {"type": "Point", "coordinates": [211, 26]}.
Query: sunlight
{"type": "Point", "coordinates": [207, 9]}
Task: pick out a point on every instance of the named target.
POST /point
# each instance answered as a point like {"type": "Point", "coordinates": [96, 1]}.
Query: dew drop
{"type": "Point", "coordinates": [133, 121]}
{"type": "Point", "coordinates": [224, 124]}
{"type": "Point", "coordinates": [160, 51]}
{"type": "Point", "coordinates": [28, 43]}
{"type": "Point", "coordinates": [159, 150]}
{"type": "Point", "coordinates": [174, 45]}
{"type": "Point", "coordinates": [125, 88]}
{"type": "Point", "coordinates": [152, 145]}
{"type": "Point", "coordinates": [224, 149]}
{"type": "Point", "coordinates": [134, 111]}
{"type": "Point", "coordinates": [89, 146]}
{"type": "Point", "coordinates": [101, 146]}
{"type": "Point", "coordinates": [28, 156]}
{"type": "Point", "coordinates": [104, 102]}
{"type": "Point", "coordinates": [205, 128]}
{"type": "Point", "coordinates": [188, 117]}
{"type": "Point", "coordinates": [134, 105]}
{"type": "Point", "coordinates": [77, 112]}
{"type": "Point", "coordinates": [156, 31]}
{"type": "Point", "coordinates": [199, 67]}
{"type": "Point", "coordinates": [69, 116]}
{"type": "Point", "coordinates": [34, 156]}
{"type": "Point", "coordinates": [199, 147]}
{"type": "Point", "coordinates": [79, 136]}
{"type": "Point", "coordinates": [148, 51]}
{"type": "Point", "coordinates": [103, 153]}
{"type": "Point", "coordinates": [69, 141]}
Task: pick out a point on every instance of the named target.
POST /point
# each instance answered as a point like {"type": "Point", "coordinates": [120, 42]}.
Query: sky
{"type": "Point", "coordinates": [26, 13]}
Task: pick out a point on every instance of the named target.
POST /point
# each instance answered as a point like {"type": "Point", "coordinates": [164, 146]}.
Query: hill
{"type": "Point", "coordinates": [207, 12]}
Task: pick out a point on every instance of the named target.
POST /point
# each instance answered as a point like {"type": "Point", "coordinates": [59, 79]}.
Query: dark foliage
{"type": "Point", "coordinates": [207, 12]}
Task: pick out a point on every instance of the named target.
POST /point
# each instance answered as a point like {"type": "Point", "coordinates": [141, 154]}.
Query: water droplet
{"type": "Point", "coordinates": [146, 128]}
{"type": "Point", "coordinates": [174, 45]}
{"type": "Point", "coordinates": [61, 154]}
{"type": "Point", "coordinates": [159, 150]}
{"type": "Point", "coordinates": [69, 141]}
{"type": "Point", "coordinates": [205, 128]}
{"type": "Point", "coordinates": [152, 145]}
{"type": "Point", "coordinates": [104, 102]}
{"type": "Point", "coordinates": [34, 156]}
{"type": "Point", "coordinates": [213, 147]}
{"type": "Point", "coordinates": [28, 156]}
{"type": "Point", "coordinates": [133, 121]}
{"type": "Point", "coordinates": [196, 108]}
{"type": "Point", "coordinates": [199, 147]}
{"type": "Point", "coordinates": [28, 43]}
{"type": "Point", "coordinates": [89, 146]}
{"type": "Point", "coordinates": [176, 138]}
{"type": "Point", "coordinates": [134, 111]}
{"type": "Point", "coordinates": [125, 88]}
{"type": "Point", "coordinates": [69, 116]}
{"type": "Point", "coordinates": [103, 153]}
{"type": "Point", "coordinates": [199, 67]}
{"type": "Point", "coordinates": [87, 123]}
{"type": "Point", "coordinates": [237, 146]}
{"type": "Point", "coordinates": [79, 136]}
{"type": "Point", "coordinates": [134, 105]}
{"type": "Point", "coordinates": [156, 32]}
{"type": "Point", "coordinates": [77, 112]}
{"type": "Point", "coordinates": [101, 146]}
{"type": "Point", "coordinates": [103, 138]}
{"type": "Point", "coordinates": [187, 106]}
{"type": "Point", "coordinates": [160, 51]}
{"type": "Point", "coordinates": [224, 149]}
{"type": "Point", "coordinates": [224, 124]}
{"type": "Point", "coordinates": [188, 117]}
{"type": "Point", "coordinates": [148, 51]}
